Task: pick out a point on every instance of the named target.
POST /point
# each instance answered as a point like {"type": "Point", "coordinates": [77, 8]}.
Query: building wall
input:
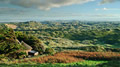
{"type": "Point", "coordinates": [27, 51]}
{"type": "Point", "coordinates": [36, 54]}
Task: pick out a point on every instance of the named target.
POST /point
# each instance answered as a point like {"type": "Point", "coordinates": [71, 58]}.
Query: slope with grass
{"type": "Point", "coordinates": [70, 59]}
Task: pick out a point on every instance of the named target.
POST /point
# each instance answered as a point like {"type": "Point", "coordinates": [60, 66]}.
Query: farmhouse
{"type": "Point", "coordinates": [28, 49]}
{"type": "Point", "coordinates": [33, 53]}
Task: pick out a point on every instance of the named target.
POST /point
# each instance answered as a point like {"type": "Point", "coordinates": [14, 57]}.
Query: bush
{"type": "Point", "coordinates": [49, 51]}
{"type": "Point", "coordinates": [93, 48]}
{"type": "Point", "coordinates": [113, 49]}
{"type": "Point", "coordinates": [2, 56]}
{"type": "Point", "coordinates": [21, 54]}
{"type": "Point", "coordinates": [60, 49]}
{"type": "Point", "coordinates": [17, 55]}
{"type": "Point", "coordinates": [33, 41]}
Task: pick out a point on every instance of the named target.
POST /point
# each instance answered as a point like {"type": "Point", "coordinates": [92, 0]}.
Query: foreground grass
{"type": "Point", "coordinates": [68, 59]}
{"type": "Point", "coordinates": [87, 63]}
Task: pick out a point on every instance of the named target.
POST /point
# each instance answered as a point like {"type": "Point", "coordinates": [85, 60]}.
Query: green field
{"type": "Point", "coordinates": [78, 64]}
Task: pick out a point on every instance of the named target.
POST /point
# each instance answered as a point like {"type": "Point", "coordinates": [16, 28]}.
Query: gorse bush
{"type": "Point", "coordinates": [2, 56]}
{"type": "Point", "coordinates": [8, 41]}
{"type": "Point", "coordinates": [17, 55]}
{"type": "Point", "coordinates": [113, 49]}
{"type": "Point", "coordinates": [21, 54]}
{"type": "Point", "coordinates": [93, 48]}
{"type": "Point", "coordinates": [49, 51]}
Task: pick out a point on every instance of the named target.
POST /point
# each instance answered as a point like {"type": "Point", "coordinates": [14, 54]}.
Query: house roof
{"type": "Point", "coordinates": [18, 41]}
{"type": "Point", "coordinates": [32, 51]}
{"type": "Point", "coordinates": [26, 46]}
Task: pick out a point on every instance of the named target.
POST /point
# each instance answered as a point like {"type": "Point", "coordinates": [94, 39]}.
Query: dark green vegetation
{"type": "Point", "coordinates": [78, 64]}
{"type": "Point", "coordinates": [80, 32]}
{"type": "Point", "coordinates": [34, 42]}
{"type": "Point", "coordinates": [49, 37]}
{"type": "Point", "coordinates": [10, 46]}
{"type": "Point", "coordinates": [8, 41]}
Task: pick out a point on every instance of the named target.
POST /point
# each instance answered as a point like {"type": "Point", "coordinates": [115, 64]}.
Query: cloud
{"type": "Point", "coordinates": [5, 10]}
{"type": "Point", "coordinates": [45, 4]}
{"type": "Point", "coordinates": [101, 9]}
{"type": "Point", "coordinates": [12, 11]}
{"type": "Point", "coordinates": [105, 9]}
{"type": "Point", "coordinates": [108, 1]}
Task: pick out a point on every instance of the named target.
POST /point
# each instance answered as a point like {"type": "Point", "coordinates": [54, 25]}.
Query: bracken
{"type": "Point", "coordinates": [76, 56]}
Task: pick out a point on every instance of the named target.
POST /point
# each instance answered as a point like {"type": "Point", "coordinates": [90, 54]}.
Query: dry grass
{"type": "Point", "coordinates": [75, 56]}
{"type": "Point", "coordinates": [92, 55]}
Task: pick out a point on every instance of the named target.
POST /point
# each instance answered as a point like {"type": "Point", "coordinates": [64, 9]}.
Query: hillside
{"type": "Point", "coordinates": [90, 33]}
{"type": "Point", "coordinates": [72, 43]}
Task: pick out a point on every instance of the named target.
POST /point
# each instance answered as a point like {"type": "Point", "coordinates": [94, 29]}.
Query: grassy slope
{"type": "Point", "coordinates": [86, 63]}
{"type": "Point", "coordinates": [82, 64]}
{"type": "Point", "coordinates": [78, 64]}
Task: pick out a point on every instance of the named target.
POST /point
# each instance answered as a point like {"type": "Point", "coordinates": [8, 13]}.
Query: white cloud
{"type": "Point", "coordinates": [107, 9]}
{"type": "Point", "coordinates": [45, 4]}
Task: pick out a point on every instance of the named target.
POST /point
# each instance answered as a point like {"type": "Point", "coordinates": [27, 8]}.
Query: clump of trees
{"type": "Point", "coordinates": [84, 32]}
{"type": "Point", "coordinates": [49, 51]}
{"type": "Point", "coordinates": [17, 55]}
{"type": "Point", "coordinates": [93, 48]}
{"type": "Point", "coordinates": [34, 42]}
{"type": "Point", "coordinates": [10, 47]}
{"type": "Point", "coordinates": [8, 41]}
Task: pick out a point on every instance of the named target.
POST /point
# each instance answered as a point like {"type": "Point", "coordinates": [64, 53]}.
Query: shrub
{"type": "Point", "coordinates": [2, 56]}
{"type": "Point", "coordinates": [93, 48]}
{"type": "Point", "coordinates": [113, 49]}
{"type": "Point", "coordinates": [34, 42]}
{"type": "Point", "coordinates": [17, 55]}
{"type": "Point", "coordinates": [21, 54]}
{"type": "Point", "coordinates": [49, 51]}
{"type": "Point", "coordinates": [60, 49]}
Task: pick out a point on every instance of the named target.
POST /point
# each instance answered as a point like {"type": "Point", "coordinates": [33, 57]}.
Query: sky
{"type": "Point", "coordinates": [42, 10]}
